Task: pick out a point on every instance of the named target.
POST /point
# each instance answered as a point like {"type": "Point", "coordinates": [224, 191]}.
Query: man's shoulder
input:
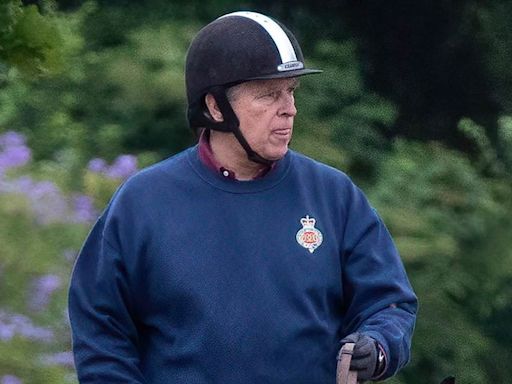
{"type": "Point", "coordinates": [166, 168]}
{"type": "Point", "coordinates": [306, 164]}
{"type": "Point", "coordinates": [156, 177]}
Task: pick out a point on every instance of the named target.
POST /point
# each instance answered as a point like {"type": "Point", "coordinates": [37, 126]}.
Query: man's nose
{"type": "Point", "coordinates": [288, 105]}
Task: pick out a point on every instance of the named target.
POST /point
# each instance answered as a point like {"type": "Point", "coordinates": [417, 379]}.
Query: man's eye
{"type": "Point", "coordinates": [271, 95]}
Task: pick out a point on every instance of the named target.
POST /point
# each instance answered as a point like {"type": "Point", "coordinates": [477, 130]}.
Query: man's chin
{"type": "Point", "coordinates": [278, 155]}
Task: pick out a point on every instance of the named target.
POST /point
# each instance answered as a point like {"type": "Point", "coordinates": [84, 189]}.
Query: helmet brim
{"type": "Point", "coordinates": [286, 74]}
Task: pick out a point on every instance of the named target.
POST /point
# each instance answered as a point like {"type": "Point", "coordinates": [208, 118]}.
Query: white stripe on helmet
{"type": "Point", "coordinates": [278, 35]}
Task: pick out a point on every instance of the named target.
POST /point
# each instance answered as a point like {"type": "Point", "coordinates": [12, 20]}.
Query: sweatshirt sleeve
{"type": "Point", "coordinates": [380, 301]}
{"type": "Point", "coordinates": [104, 332]}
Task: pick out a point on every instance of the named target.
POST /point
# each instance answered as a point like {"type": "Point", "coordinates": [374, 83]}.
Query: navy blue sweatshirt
{"type": "Point", "coordinates": [189, 277]}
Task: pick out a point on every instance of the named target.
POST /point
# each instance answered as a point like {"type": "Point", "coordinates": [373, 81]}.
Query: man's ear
{"type": "Point", "coordinates": [213, 108]}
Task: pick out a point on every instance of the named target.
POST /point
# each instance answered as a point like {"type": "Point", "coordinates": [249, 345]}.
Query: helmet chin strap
{"type": "Point", "coordinates": [232, 124]}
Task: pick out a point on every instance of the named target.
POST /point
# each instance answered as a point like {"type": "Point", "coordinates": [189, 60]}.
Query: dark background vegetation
{"type": "Point", "coordinates": [415, 103]}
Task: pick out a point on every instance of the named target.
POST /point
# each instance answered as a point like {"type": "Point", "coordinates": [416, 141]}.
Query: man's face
{"type": "Point", "coordinates": [266, 109]}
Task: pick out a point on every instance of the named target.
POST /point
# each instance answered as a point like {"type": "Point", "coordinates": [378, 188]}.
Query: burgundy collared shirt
{"type": "Point", "coordinates": [208, 158]}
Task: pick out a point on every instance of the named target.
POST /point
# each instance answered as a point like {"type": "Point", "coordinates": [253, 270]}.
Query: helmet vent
{"type": "Point", "coordinates": [278, 35]}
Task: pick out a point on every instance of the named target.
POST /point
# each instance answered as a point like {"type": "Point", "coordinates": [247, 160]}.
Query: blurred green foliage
{"type": "Point", "coordinates": [28, 40]}
{"type": "Point", "coordinates": [414, 104]}
{"type": "Point", "coordinates": [106, 100]}
{"type": "Point", "coordinates": [442, 213]}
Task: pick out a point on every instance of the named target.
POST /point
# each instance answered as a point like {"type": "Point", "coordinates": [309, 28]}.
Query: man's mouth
{"type": "Point", "coordinates": [282, 131]}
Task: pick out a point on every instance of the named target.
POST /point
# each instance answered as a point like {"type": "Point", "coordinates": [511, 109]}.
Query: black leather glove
{"type": "Point", "coordinates": [365, 357]}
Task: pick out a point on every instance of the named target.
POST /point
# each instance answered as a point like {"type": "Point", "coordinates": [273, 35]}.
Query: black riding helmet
{"type": "Point", "coordinates": [235, 48]}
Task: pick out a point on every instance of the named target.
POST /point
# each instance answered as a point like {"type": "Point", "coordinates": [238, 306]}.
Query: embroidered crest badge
{"type": "Point", "coordinates": [309, 237]}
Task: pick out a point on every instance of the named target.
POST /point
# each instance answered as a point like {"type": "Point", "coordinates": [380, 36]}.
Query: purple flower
{"type": "Point", "coordinates": [97, 165]}
{"type": "Point", "coordinates": [10, 379]}
{"type": "Point", "coordinates": [13, 151]}
{"type": "Point", "coordinates": [13, 157]}
{"type": "Point", "coordinates": [84, 211]}
{"type": "Point", "coordinates": [48, 203]}
{"type": "Point", "coordinates": [16, 186]}
{"type": "Point", "coordinates": [12, 139]}
{"type": "Point", "coordinates": [123, 167]}
{"type": "Point", "coordinates": [45, 198]}
{"type": "Point", "coordinates": [64, 359]}
{"type": "Point", "coordinates": [43, 288]}
{"type": "Point", "coordinates": [43, 189]}
{"type": "Point", "coordinates": [7, 331]}
{"type": "Point", "coordinates": [35, 333]}
{"type": "Point", "coordinates": [12, 325]}
{"type": "Point", "coordinates": [7, 326]}
{"type": "Point", "coordinates": [22, 184]}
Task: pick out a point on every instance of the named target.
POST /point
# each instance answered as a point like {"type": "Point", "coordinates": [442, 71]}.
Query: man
{"type": "Point", "coordinates": [238, 260]}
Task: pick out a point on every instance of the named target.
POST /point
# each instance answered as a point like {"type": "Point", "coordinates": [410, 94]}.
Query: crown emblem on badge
{"type": "Point", "coordinates": [308, 236]}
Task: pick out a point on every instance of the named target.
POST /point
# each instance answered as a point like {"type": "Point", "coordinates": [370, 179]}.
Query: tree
{"type": "Point", "coordinates": [29, 41]}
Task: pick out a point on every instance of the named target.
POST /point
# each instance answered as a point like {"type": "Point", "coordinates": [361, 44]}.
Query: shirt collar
{"type": "Point", "coordinates": [208, 158]}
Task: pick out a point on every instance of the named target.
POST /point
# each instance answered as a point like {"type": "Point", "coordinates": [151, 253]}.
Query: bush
{"type": "Point", "coordinates": [42, 226]}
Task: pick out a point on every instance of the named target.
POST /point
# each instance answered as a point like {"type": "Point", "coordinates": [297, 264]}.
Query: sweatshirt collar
{"type": "Point", "coordinates": [208, 158]}
{"type": "Point", "coordinates": [279, 173]}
